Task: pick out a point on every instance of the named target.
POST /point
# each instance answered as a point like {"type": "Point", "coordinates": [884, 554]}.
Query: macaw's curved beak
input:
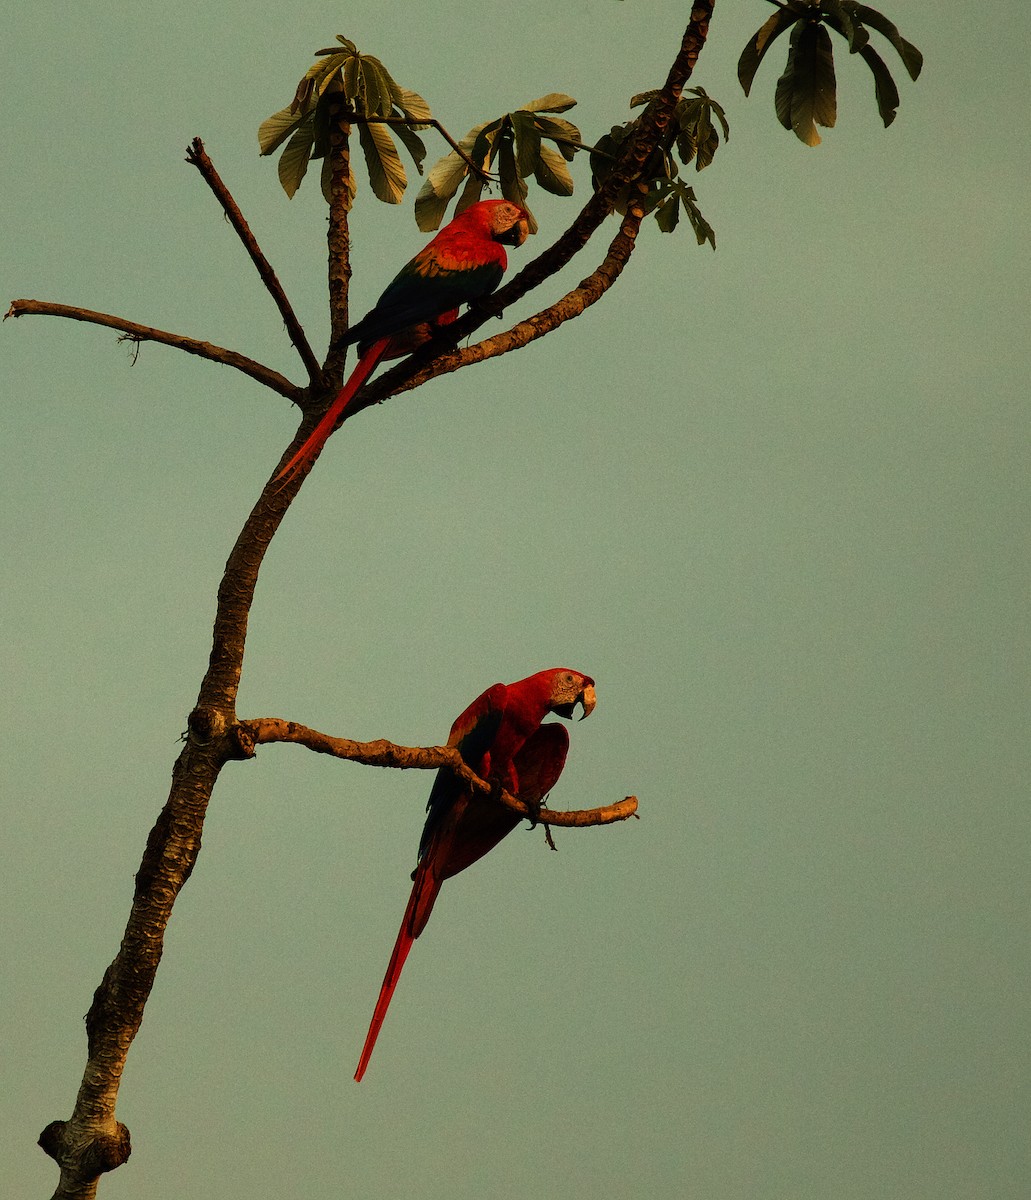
{"type": "Point", "coordinates": [585, 698]}
{"type": "Point", "coordinates": [516, 234]}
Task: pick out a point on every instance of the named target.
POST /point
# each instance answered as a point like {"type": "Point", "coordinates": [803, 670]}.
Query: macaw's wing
{"type": "Point", "coordinates": [483, 822]}
{"type": "Point", "coordinates": [539, 764]}
{"type": "Point", "coordinates": [472, 734]}
{"type": "Point", "coordinates": [435, 281]}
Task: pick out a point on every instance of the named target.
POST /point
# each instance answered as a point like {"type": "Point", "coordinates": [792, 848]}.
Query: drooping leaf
{"type": "Point", "coordinates": [885, 91]}
{"type": "Point", "coordinates": [667, 214]}
{"type": "Point", "coordinates": [386, 171]}
{"type": "Point", "coordinates": [910, 55]}
{"type": "Point", "coordinates": [606, 152]}
{"type": "Point", "coordinates": [760, 42]}
{"type": "Point", "coordinates": [412, 143]}
{"type": "Point", "coordinates": [703, 231]}
{"type": "Point", "coordinates": [527, 142]}
{"type": "Point", "coordinates": [512, 185]}
{"type": "Point", "coordinates": [471, 193]}
{"type": "Point", "coordinates": [806, 93]}
{"type": "Point", "coordinates": [379, 98]}
{"type": "Point", "coordinates": [430, 207]}
{"type": "Point", "coordinates": [840, 16]}
{"type": "Point", "coordinates": [354, 84]}
{"type": "Point", "coordinates": [481, 147]}
{"type": "Point", "coordinates": [643, 98]}
{"type": "Point", "coordinates": [274, 130]}
{"type": "Point", "coordinates": [552, 173]}
{"type": "Point", "coordinates": [553, 102]}
{"type": "Point", "coordinates": [563, 133]}
{"type": "Point", "coordinates": [411, 104]}
{"type": "Point", "coordinates": [698, 138]}
{"type": "Point", "coordinates": [293, 162]}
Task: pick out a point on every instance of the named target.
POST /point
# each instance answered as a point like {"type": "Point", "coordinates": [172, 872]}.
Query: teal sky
{"type": "Point", "coordinates": [774, 499]}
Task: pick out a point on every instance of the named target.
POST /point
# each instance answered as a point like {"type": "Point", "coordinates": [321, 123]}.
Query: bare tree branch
{"type": "Point", "coordinates": [146, 333]}
{"type": "Point", "coordinates": [382, 753]}
{"type": "Point", "coordinates": [197, 156]}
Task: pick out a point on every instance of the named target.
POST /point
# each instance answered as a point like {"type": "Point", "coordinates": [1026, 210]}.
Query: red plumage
{"type": "Point", "coordinates": [465, 261]}
{"type": "Point", "coordinates": [501, 738]}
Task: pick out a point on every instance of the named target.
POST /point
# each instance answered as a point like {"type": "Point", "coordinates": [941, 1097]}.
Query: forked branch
{"type": "Point", "coordinates": [197, 156]}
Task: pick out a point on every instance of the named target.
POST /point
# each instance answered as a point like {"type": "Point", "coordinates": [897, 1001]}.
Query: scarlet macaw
{"type": "Point", "coordinates": [465, 261]}
{"type": "Point", "coordinates": [501, 738]}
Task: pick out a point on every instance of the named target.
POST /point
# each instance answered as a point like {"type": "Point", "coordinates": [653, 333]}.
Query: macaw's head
{"type": "Point", "coordinates": [567, 690]}
{"type": "Point", "coordinates": [500, 220]}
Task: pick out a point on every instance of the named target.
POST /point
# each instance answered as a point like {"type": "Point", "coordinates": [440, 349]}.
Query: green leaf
{"type": "Point", "coordinates": [698, 138]}
{"type": "Point", "coordinates": [431, 207]}
{"type": "Point", "coordinates": [293, 162]}
{"type": "Point", "coordinates": [552, 173]}
{"type": "Point", "coordinates": [447, 173]}
{"type": "Point", "coordinates": [841, 17]}
{"type": "Point", "coordinates": [410, 103]}
{"type": "Point", "coordinates": [565, 134]}
{"type": "Point", "coordinates": [527, 142]}
{"type": "Point", "coordinates": [354, 84]}
{"type": "Point", "coordinates": [643, 98]}
{"type": "Point", "coordinates": [471, 193]}
{"type": "Point", "coordinates": [609, 144]}
{"type": "Point", "coordinates": [379, 99]}
{"type": "Point", "coordinates": [512, 186]}
{"type": "Point", "coordinates": [910, 55]}
{"type": "Point", "coordinates": [553, 102]}
{"type": "Point", "coordinates": [760, 42]}
{"type": "Point", "coordinates": [412, 143]}
{"type": "Point", "coordinates": [480, 147]}
{"type": "Point", "coordinates": [885, 91]}
{"type": "Point", "coordinates": [806, 92]}
{"type": "Point", "coordinates": [274, 130]}
{"type": "Point", "coordinates": [667, 215]}
{"type": "Point", "coordinates": [714, 106]}
{"type": "Point", "coordinates": [386, 171]}
{"type": "Point", "coordinates": [703, 231]}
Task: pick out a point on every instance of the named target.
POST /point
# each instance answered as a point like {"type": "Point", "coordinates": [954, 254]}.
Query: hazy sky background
{"type": "Point", "coordinates": [774, 499]}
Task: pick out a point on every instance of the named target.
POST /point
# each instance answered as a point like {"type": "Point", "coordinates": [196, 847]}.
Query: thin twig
{"type": "Point", "coordinates": [381, 753]}
{"type": "Point", "coordinates": [146, 333]}
{"type": "Point", "coordinates": [197, 156]}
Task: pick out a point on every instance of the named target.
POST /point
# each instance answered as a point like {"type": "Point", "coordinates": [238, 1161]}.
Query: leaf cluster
{"type": "Point", "coordinates": [699, 119]}
{"type": "Point", "coordinates": [377, 103]}
{"type": "Point", "coordinates": [513, 144]}
{"type": "Point", "coordinates": [806, 94]}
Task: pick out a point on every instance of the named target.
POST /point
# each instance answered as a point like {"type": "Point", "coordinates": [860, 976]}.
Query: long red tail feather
{"type": "Point", "coordinates": [424, 893]}
{"type": "Point", "coordinates": [320, 434]}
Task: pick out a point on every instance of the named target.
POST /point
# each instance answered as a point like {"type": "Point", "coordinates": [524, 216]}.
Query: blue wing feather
{"type": "Point", "coordinates": [415, 295]}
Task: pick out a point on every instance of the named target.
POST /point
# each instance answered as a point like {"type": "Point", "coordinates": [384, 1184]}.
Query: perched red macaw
{"type": "Point", "coordinates": [465, 261]}
{"type": "Point", "coordinates": [501, 738]}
